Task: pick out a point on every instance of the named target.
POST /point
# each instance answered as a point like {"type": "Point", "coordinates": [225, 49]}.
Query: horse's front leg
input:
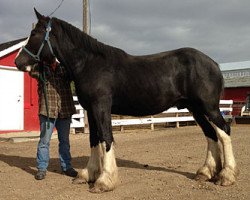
{"type": "Point", "coordinates": [101, 169]}
{"type": "Point", "coordinates": [93, 169]}
{"type": "Point", "coordinates": [108, 178]}
{"type": "Point", "coordinates": [94, 166]}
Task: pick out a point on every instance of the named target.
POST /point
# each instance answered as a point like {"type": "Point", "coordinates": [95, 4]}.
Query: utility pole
{"type": "Point", "coordinates": [86, 16]}
{"type": "Point", "coordinates": [86, 30]}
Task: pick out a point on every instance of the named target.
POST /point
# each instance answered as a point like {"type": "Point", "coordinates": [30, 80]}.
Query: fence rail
{"type": "Point", "coordinates": [169, 116]}
{"type": "Point", "coordinates": [9, 68]}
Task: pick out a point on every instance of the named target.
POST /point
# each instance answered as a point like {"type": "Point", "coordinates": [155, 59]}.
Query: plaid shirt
{"type": "Point", "coordinates": [60, 100]}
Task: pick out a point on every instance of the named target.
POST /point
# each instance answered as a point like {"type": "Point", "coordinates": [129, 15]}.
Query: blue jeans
{"type": "Point", "coordinates": [63, 127]}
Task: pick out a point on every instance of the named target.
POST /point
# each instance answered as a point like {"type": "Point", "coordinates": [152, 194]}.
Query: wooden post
{"type": "Point", "coordinates": [152, 125]}
{"type": "Point", "coordinates": [122, 127]}
{"type": "Point", "coordinates": [86, 30]}
{"type": "Point", "coordinates": [86, 16]}
{"type": "Point", "coordinates": [177, 123]}
{"type": "Point", "coordinates": [72, 131]}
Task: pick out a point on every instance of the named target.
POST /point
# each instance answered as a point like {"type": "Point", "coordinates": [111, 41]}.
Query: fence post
{"type": "Point", "coordinates": [177, 123]}
{"type": "Point", "coordinates": [152, 125]}
{"type": "Point", "coordinates": [86, 122]}
{"type": "Point", "coordinates": [122, 127]}
{"type": "Point", "coordinates": [72, 131]}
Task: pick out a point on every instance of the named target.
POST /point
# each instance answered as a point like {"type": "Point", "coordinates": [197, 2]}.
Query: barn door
{"type": "Point", "coordinates": [11, 99]}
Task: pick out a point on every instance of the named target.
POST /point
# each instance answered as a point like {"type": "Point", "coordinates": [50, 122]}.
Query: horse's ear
{"type": "Point", "coordinates": [38, 15]}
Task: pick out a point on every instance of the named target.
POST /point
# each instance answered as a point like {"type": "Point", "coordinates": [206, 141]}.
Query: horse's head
{"type": "Point", "coordinates": [38, 47]}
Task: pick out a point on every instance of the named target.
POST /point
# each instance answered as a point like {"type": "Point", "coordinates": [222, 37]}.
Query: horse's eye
{"type": "Point", "coordinates": [33, 33]}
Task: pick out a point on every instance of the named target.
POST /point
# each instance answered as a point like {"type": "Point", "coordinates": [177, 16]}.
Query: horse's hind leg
{"type": "Point", "coordinates": [228, 174]}
{"type": "Point", "coordinates": [213, 164]}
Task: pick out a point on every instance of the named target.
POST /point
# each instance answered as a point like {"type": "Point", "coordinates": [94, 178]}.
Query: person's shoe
{"type": "Point", "coordinates": [40, 175]}
{"type": "Point", "coordinates": [71, 172]}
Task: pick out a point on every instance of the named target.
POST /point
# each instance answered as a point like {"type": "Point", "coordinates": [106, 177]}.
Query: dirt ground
{"type": "Point", "coordinates": [158, 164]}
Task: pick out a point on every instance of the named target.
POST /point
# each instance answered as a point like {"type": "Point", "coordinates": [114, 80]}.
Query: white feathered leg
{"type": "Point", "coordinates": [109, 176]}
{"type": "Point", "coordinates": [212, 165]}
{"type": "Point", "coordinates": [93, 168]}
{"type": "Point", "coordinates": [229, 172]}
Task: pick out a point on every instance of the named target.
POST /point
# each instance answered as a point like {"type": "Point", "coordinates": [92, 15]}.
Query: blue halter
{"type": "Point", "coordinates": [46, 39]}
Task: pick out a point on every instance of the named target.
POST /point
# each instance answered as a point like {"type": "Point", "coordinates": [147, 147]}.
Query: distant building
{"type": "Point", "coordinates": [237, 83]}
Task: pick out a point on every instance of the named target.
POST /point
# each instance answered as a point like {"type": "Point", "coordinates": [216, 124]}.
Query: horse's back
{"type": "Point", "coordinates": [150, 84]}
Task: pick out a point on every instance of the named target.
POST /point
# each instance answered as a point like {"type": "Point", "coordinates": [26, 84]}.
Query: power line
{"type": "Point", "coordinates": [56, 8]}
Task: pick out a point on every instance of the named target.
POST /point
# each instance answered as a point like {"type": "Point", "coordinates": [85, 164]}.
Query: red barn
{"type": "Point", "coordinates": [237, 83]}
{"type": "Point", "coordinates": [19, 100]}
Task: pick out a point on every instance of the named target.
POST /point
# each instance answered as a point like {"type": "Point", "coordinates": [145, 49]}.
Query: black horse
{"type": "Point", "coordinates": [108, 80]}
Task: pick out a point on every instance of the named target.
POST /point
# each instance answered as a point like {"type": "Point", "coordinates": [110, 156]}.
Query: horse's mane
{"type": "Point", "coordinates": [82, 40]}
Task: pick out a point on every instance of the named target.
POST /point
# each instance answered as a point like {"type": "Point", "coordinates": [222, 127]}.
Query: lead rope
{"type": "Point", "coordinates": [42, 77]}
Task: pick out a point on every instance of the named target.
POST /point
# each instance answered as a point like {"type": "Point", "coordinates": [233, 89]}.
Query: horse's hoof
{"type": "Point", "coordinates": [201, 177]}
{"type": "Point", "coordinates": [223, 181]}
{"type": "Point", "coordinates": [79, 180]}
{"type": "Point", "coordinates": [227, 177]}
{"type": "Point", "coordinates": [100, 187]}
{"type": "Point", "coordinates": [203, 174]}
{"type": "Point", "coordinates": [96, 190]}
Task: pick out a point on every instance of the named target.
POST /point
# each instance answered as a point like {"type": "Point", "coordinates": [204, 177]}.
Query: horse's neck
{"type": "Point", "coordinates": [65, 48]}
{"type": "Point", "coordinates": [73, 50]}
{"type": "Point", "coordinates": [67, 45]}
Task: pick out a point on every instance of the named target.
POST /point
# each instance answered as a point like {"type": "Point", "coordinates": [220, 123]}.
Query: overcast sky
{"type": "Point", "coordinates": [219, 28]}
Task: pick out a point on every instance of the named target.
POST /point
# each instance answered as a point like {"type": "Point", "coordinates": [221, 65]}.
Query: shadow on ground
{"type": "Point", "coordinates": [28, 164]}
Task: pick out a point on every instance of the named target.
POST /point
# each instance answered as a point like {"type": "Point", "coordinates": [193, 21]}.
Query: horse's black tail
{"type": "Point", "coordinates": [222, 83]}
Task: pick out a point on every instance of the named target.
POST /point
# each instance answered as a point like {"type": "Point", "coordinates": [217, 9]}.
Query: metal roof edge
{"type": "Point", "coordinates": [12, 48]}
{"type": "Point", "coordinates": [234, 66]}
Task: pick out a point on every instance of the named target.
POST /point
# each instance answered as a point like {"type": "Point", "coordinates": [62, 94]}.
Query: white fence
{"type": "Point", "coordinates": [169, 116]}
{"type": "Point", "coordinates": [78, 118]}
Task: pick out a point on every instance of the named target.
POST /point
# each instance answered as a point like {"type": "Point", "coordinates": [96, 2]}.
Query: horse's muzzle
{"type": "Point", "coordinates": [23, 67]}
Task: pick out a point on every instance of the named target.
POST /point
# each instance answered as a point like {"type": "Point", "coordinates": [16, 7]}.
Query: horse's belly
{"type": "Point", "coordinates": [141, 108]}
